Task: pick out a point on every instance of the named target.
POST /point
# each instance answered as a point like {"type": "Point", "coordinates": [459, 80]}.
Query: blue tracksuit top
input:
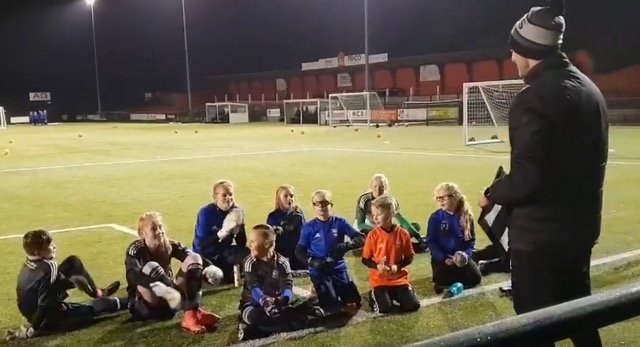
{"type": "Point", "coordinates": [445, 236]}
{"type": "Point", "coordinates": [291, 223]}
{"type": "Point", "coordinates": [208, 222]}
{"type": "Point", "coordinates": [319, 237]}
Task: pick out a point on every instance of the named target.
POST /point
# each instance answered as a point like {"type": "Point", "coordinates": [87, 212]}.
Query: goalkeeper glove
{"type": "Point", "coordinates": [25, 331]}
{"type": "Point", "coordinates": [212, 275]}
{"type": "Point", "coordinates": [338, 251]}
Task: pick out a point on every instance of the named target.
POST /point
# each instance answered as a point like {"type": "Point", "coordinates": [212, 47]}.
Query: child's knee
{"type": "Point", "coordinates": [193, 259]}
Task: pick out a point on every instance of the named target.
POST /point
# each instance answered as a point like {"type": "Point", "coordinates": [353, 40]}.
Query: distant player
{"type": "Point", "coordinates": [267, 303]}
{"type": "Point", "coordinates": [154, 293]}
{"type": "Point", "coordinates": [379, 186]}
{"type": "Point", "coordinates": [218, 226]}
{"type": "Point", "coordinates": [322, 245]}
{"type": "Point", "coordinates": [42, 289]}
{"type": "Point", "coordinates": [287, 220]}
{"type": "Point", "coordinates": [451, 239]}
{"type": "Point", "coordinates": [387, 252]}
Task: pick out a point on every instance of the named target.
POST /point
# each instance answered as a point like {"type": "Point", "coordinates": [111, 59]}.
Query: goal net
{"type": "Point", "coordinates": [485, 110]}
{"type": "Point", "coordinates": [356, 109]}
{"type": "Point", "coordinates": [305, 111]}
{"type": "Point", "coordinates": [3, 119]}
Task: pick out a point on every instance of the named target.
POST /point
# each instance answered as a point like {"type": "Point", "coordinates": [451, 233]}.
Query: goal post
{"type": "Point", "coordinates": [3, 119]}
{"type": "Point", "coordinates": [358, 109]}
{"type": "Point", "coordinates": [305, 111]}
{"type": "Point", "coordinates": [485, 110]}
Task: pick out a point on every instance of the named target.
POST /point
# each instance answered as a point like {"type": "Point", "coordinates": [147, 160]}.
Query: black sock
{"type": "Point", "coordinates": [109, 305]}
{"type": "Point", "coordinates": [73, 269]}
{"type": "Point", "coordinates": [194, 283]}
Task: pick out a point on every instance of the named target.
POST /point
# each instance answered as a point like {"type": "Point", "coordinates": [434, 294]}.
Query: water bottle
{"type": "Point", "coordinates": [454, 290]}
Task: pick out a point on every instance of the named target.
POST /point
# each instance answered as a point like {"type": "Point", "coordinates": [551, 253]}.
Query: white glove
{"type": "Point", "coordinates": [212, 275]}
{"type": "Point", "coordinates": [231, 223]}
{"type": "Point", "coordinates": [461, 259]}
{"type": "Point", "coordinates": [170, 295]}
{"type": "Point", "coordinates": [24, 332]}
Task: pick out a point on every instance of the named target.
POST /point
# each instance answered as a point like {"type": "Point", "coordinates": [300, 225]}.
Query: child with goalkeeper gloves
{"type": "Point", "coordinates": [378, 186]}
{"type": "Point", "coordinates": [218, 226]}
{"type": "Point", "coordinates": [451, 239]}
{"type": "Point", "coordinates": [266, 302]}
{"type": "Point", "coordinates": [387, 252]}
{"type": "Point", "coordinates": [322, 245]}
{"type": "Point", "coordinates": [153, 292]}
{"type": "Point", "coordinates": [42, 288]}
{"type": "Point", "coordinates": [287, 220]}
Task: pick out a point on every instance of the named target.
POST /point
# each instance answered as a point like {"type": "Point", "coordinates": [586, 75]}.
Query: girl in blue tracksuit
{"type": "Point", "coordinates": [219, 232]}
{"type": "Point", "coordinates": [287, 220]}
{"type": "Point", "coordinates": [451, 239]}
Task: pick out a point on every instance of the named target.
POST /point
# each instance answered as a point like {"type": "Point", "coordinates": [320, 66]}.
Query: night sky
{"type": "Point", "coordinates": [46, 45]}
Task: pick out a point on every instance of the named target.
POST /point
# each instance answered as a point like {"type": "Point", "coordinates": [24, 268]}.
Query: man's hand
{"type": "Point", "coordinates": [484, 202]}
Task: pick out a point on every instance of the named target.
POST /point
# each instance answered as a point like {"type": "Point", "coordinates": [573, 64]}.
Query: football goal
{"type": "Point", "coordinates": [485, 110]}
{"type": "Point", "coordinates": [363, 108]}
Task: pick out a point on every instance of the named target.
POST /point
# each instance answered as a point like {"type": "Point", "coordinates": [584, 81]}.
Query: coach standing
{"type": "Point", "coordinates": [559, 144]}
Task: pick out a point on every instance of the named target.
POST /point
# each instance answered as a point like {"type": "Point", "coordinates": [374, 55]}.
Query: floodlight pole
{"type": "Point", "coordinates": [186, 54]}
{"type": "Point", "coordinates": [95, 55]}
{"type": "Point", "coordinates": [366, 45]}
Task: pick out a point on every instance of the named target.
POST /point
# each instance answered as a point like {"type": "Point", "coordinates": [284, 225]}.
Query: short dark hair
{"type": "Point", "coordinates": [36, 240]}
{"type": "Point", "coordinates": [266, 231]}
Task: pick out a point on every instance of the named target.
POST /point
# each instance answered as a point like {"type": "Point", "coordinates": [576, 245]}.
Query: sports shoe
{"type": "Point", "coordinates": [207, 319]}
{"type": "Point", "coordinates": [191, 324]}
{"type": "Point", "coordinates": [109, 290]}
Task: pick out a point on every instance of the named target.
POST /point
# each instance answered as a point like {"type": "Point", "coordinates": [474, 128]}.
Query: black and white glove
{"type": "Point", "coordinates": [270, 306]}
{"type": "Point", "coordinates": [25, 331]}
{"type": "Point", "coordinates": [338, 251]}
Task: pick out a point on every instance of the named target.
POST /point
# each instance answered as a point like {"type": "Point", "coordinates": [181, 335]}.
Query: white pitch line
{"type": "Point", "coordinates": [445, 154]}
{"type": "Point", "coordinates": [116, 227]}
{"type": "Point", "coordinates": [88, 227]}
{"type": "Point", "coordinates": [363, 316]}
{"type": "Point", "coordinates": [137, 161]}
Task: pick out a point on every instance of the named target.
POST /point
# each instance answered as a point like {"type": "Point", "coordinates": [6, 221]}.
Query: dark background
{"type": "Point", "coordinates": [46, 45]}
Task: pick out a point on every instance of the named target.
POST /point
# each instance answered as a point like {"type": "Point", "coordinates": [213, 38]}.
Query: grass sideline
{"type": "Point", "coordinates": [150, 166]}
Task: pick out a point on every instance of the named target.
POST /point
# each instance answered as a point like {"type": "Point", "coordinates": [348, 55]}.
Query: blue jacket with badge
{"type": "Point", "coordinates": [319, 238]}
{"type": "Point", "coordinates": [445, 236]}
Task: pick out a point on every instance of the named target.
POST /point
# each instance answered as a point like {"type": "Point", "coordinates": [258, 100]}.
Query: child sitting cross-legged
{"type": "Point", "coordinates": [266, 302]}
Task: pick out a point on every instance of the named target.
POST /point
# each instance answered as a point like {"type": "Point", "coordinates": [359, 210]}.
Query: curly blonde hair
{"type": "Point", "coordinates": [461, 205]}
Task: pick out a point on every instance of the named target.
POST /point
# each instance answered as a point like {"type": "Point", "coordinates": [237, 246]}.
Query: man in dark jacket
{"type": "Point", "coordinates": [559, 143]}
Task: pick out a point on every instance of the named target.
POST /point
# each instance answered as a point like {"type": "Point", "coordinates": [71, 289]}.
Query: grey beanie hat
{"type": "Point", "coordinates": [539, 33]}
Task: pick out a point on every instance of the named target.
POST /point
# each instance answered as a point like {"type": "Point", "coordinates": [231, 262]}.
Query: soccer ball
{"type": "Point", "coordinates": [11, 141]}
{"type": "Point", "coordinates": [301, 132]}
{"type": "Point", "coordinates": [494, 137]}
{"type": "Point", "coordinates": [472, 139]}
{"type": "Point", "coordinates": [378, 135]}
{"type": "Point", "coordinates": [377, 125]}
{"type": "Point", "coordinates": [6, 151]}
{"type": "Point", "coordinates": [79, 135]}
{"type": "Point", "coordinates": [355, 129]}
{"type": "Point", "coordinates": [294, 130]}
{"type": "Point", "coordinates": [196, 131]}
{"type": "Point", "coordinates": [175, 131]}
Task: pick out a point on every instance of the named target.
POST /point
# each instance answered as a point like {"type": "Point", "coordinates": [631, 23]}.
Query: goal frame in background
{"type": "Point", "coordinates": [368, 110]}
{"type": "Point", "coordinates": [236, 112]}
{"type": "Point", "coordinates": [321, 111]}
{"type": "Point", "coordinates": [493, 118]}
{"type": "Point", "coordinates": [3, 119]}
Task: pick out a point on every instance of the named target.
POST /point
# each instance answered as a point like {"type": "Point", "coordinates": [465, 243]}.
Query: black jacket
{"type": "Point", "coordinates": [559, 145]}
